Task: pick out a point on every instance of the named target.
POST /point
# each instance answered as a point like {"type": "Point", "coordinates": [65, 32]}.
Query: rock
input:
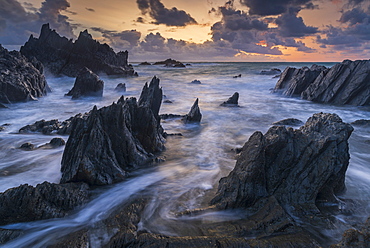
{"type": "Point", "coordinates": [53, 126]}
{"type": "Point", "coordinates": [194, 114]}
{"type": "Point", "coordinates": [47, 200]}
{"type": "Point", "coordinates": [170, 116]}
{"type": "Point", "coordinates": [344, 83]}
{"type": "Point", "coordinates": [120, 87]}
{"type": "Point", "coordinates": [113, 140]}
{"type": "Point", "coordinates": [170, 63]}
{"type": "Point", "coordinates": [353, 238]}
{"type": "Point", "coordinates": [361, 123]}
{"type": "Point", "coordinates": [56, 142]}
{"type": "Point", "coordinates": [167, 101]}
{"type": "Point", "coordinates": [188, 64]}
{"type": "Point", "coordinates": [232, 101]}
{"type": "Point", "coordinates": [273, 71]}
{"type": "Point", "coordinates": [27, 146]}
{"type": "Point", "coordinates": [291, 170]}
{"type": "Point", "coordinates": [145, 63]}
{"type": "Point", "coordinates": [21, 79]}
{"type": "Point", "coordinates": [294, 81]}
{"type": "Point", "coordinates": [65, 57]}
{"type": "Point", "coordinates": [195, 82]}
{"type": "Point", "coordinates": [87, 84]}
{"type": "Point", "coordinates": [289, 122]}
{"type": "Point", "coordinates": [237, 76]}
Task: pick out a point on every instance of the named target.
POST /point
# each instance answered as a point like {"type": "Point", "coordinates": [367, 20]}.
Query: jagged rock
{"type": "Point", "coordinates": [361, 123]}
{"type": "Point", "coordinates": [47, 200]}
{"type": "Point", "coordinates": [289, 122]}
{"type": "Point", "coordinates": [354, 238]}
{"type": "Point", "coordinates": [145, 63]}
{"type": "Point", "coordinates": [114, 139]}
{"type": "Point", "coordinates": [87, 84]}
{"type": "Point", "coordinates": [120, 87]}
{"type": "Point", "coordinates": [56, 142]}
{"type": "Point", "coordinates": [170, 116]}
{"type": "Point", "coordinates": [65, 57]}
{"type": "Point", "coordinates": [196, 82]}
{"type": "Point", "coordinates": [237, 76]}
{"type": "Point", "coordinates": [273, 71]}
{"type": "Point", "coordinates": [170, 63]}
{"type": "Point", "coordinates": [53, 126]}
{"type": "Point", "coordinates": [294, 81]}
{"type": "Point", "coordinates": [21, 79]}
{"type": "Point", "coordinates": [232, 101]}
{"type": "Point", "coordinates": [194, 114]}
{"type": "Point", "coordinates": [27, 146]}
{"type": "Point", "coordinates": [291, 170]}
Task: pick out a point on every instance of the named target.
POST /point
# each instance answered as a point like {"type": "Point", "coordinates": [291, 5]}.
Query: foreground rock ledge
{"type": "Point", "coordinates": [113, 140]}
{"type": "Point", "coordinates": [291, 170]}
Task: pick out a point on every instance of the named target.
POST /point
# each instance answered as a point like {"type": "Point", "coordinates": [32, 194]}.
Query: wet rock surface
{"type": "Point", "coordinates": [194, 115]}
{"type": "Point", "coordinates": [120, 87]}
{"type": "Point", "coordinates": [289, 122]}
{"type": "Point", "coordinates": [344, 83]}
{"type": "Point", "coordinates": [353, 238]}
{"type": "Point", "coordinates": [232, 101]}
{"type": "Point", "coordinates": [87, 84]}
{"type": "Point", "coordinates": [170, 63]}
{"type": "Point", "coordinates": [115, 139]}
{"type": "Point", "coordinates": [291, 170]}
{"type": "Point", "coordinates": [273, 71]}
{"type": "Point", "coordinates": [47, 200]}
{"type": "Point", "coordinates": [21, 79]}
{"type": "Point", "coordinates": [62, 56]}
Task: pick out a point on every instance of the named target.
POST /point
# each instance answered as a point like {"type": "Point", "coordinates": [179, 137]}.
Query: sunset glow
{"type": "Point", "coordinates": [310, 30]}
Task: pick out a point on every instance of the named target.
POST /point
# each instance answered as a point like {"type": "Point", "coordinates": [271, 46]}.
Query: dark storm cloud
{"type": "Point", "coordinates": [162, 15]}
{"type": "Point", "coordinates": [17, 24]}
{"type": "Point", "coordinates": [289, 25]}
{"type": "Point", "coordinates": [123, 40]}
{"type": "Point", "coordinates": [275, 7]}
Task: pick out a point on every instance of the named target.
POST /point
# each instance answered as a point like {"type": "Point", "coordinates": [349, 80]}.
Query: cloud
{"type": "Point", "coordinates": [90, 9]}
{"type": "Point", "coordinates": [123, 40]}
{"type": "Point", "coordinates": [276, 7]}
{"type": "Point", "coordinates": [17, 23]}
{"type": "Point", "coordinates": [289, 25]}
{"type": "Point", "coordinates": [162, 15]}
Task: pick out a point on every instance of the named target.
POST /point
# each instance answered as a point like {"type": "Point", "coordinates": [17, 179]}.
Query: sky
{"type": "Point", "coordinates": [202, 30]}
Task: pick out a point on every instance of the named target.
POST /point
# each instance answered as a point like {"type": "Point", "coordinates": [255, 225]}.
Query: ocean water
{"type": "Point", "coordinates": [194, 162]}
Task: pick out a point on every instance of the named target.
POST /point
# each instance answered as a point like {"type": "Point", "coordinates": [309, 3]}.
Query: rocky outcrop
{"type": "Point", "coordinates": [65, 57]}
{"type": "Point", "coordinates": [344, 83]}
{"type": "Point", "coordinates": [47, 200]}
{"type": "Point", "coordinates": [114, 140]}
{"type": "Point", "coordinates": [20, 79]}
{"type": "Point", "coordinates": [353, 238]}
{"type": "Point", "coordinates": [196, 81]}
{"type": "Point", "coordinates": [284, 175]}
{"type": "Point", "coordinates": [288, 122]}
{"type": "Point", "coordinates": [120, 87]}
{"type": "Point", "coordinates": [87, 84]}
{"type": "Point", "coordinates": [145, 63]}
{"type": "Point", "coordinates": [294, 81]}
{"type": "Point", "coordinates": [232, 101]}
{"type": "Point", "coordinates": [194, 114]}
{"type": "Point", "coordinates": [361, 123]}
{"type": "Point", "coordinates": [53, 126]}
{"type": "Point", "coordinates": [170, 63]}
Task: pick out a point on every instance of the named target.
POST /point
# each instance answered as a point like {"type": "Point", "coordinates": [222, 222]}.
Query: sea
{"type": "Point", "coordinates": [194, 162]}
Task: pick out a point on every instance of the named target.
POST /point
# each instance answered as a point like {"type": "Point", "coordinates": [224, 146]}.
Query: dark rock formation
{"type": "Point", "coordinates": [170, 63]}
{"type": "Point", "coordinates": [65, 57]}
{"type": "Point", "coordinates": [167, 101]}
{"type": "Point", "coordinates": [170, 116]}
{"type": "Point", "coordinates": [286, 173]}
{"type": "Point", "coordinates": [47, 200]}
{"type": "Point", "coordinates": [120, 87]}
{"type": "Point", "coordinates": [237, 76]}
{"type": "Point", "coordinates": [294, 81]}
{"type": "Point", "coordinates": [289, 122]}
{"type": "Point", "coordinates": [354, 238]}
{"type": "Point", "coordinates": [20, 79]}
{"type": "Point", "coordinates": [194, 114]}
{"type": "Point", "coordinates": [232, 101]}
{"type": "Point", "coordinates": [273, 71]}
{"type": "Point", "coordinates": [53, 126]}
{"type": "Point", "coordinates": [361, 123]}
{"type": "Point", "coordinates": [196, 82]}
{"type": "Point", "coordinates": [344, 83]}
{"type": "Point", "coordinates": [145, 63]}
{"type": "Point", "coordinates": [115, 139]}
{"type": "Point", "coordinates": [54, 143]}
{"type": "Point", "coordinates": [87, 84]}
{"type": "Point", "coordinates": [27, 146]}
